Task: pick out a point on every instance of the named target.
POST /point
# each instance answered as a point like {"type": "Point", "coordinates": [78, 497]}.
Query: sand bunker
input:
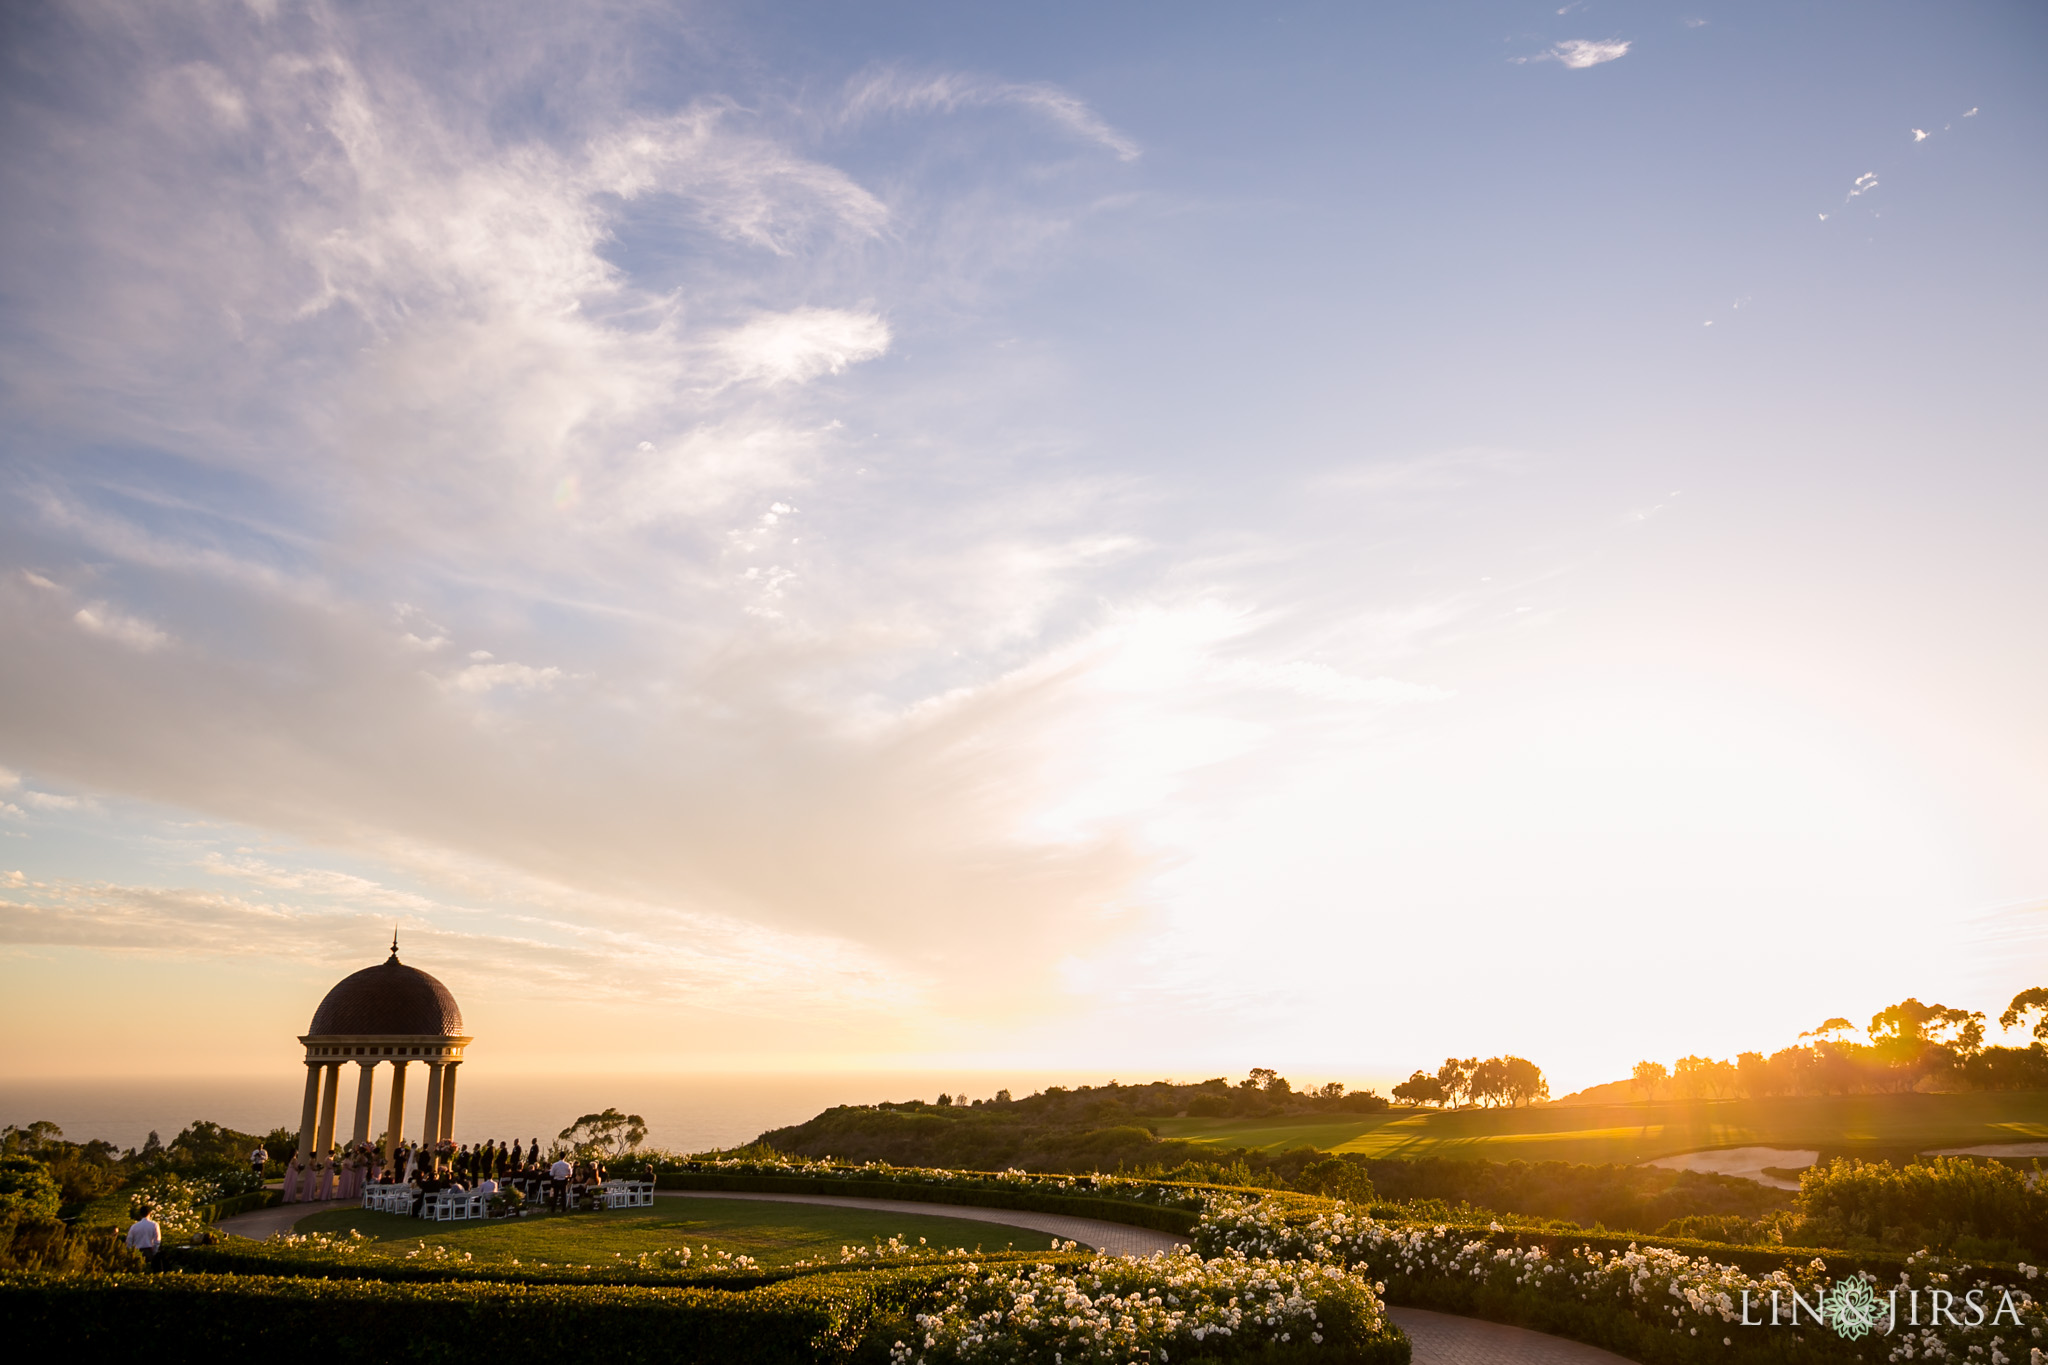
{"type": "Point", "coordinates": [1746, 1162]}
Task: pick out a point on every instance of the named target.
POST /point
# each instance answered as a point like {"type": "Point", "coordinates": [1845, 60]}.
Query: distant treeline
{"type": "Point", "coordinates": [1910, 1046]}
{"type": "Point", "coordinates": [37, 1156]}
{"type": "Point", "coordinates": [1460, 1081]}
{"type": "Point", "coordinates": [1083, 1128]}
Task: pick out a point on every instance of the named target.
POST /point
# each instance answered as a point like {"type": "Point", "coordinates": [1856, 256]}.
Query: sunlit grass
{"type": "Point", "coordinates": [772, 1233]}
{"type": "Point", "coordinates": [1892, 1124]}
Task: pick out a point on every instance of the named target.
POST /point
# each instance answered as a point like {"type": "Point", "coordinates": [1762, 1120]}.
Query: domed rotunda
{"type": "Point", "coordinates": [386, 1013]}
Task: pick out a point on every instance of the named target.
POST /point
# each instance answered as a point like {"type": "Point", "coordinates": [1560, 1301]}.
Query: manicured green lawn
{"type": "Point", "coordinates": [772, 1233]}
{"type": "Point", "coordinates": [1873, 1124]}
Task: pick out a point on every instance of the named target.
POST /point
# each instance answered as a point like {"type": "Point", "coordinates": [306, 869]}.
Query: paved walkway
{"type": "Point", "coordinates": [266, 1222]}
{"type": "Point", "coordinates": [1118, 1239]}
{"type": "Point", "coordinates": [1446, 1339]}
{"type": "Point", "coordinates": [1440, 1338]}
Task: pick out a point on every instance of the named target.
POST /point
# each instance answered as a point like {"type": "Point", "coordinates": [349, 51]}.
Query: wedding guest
{"type": "Point", "coordinates": [256, 1160]}
{"type": "Point", "coordinates": [558, 1184]}
{"type": "Point", "coordinates": [146, 1237]}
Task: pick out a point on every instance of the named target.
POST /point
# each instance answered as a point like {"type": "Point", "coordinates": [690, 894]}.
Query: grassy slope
{"type": "Point", "coordinates": [1873, 1124]}
{"type": "Point", "coordinates": [774, 1234]}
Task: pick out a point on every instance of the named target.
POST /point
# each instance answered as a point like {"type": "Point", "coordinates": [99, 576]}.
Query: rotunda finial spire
{"type": "Point", "coordinates": [394, 943]}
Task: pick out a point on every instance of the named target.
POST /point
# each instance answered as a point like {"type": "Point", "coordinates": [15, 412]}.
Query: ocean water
{"type": "Point", "coordinates": [685, 1113]}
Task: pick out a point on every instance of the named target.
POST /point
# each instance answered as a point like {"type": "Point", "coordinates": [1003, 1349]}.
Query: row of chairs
{"type": "Point", "coordinates": [388, 1198]}
{"type": "Point", "coordinates": [444, 1206]}
{"type": "Point", "coordinates": [628, 1194]}
{"type": "Point", "coordinates": [447, 1206]}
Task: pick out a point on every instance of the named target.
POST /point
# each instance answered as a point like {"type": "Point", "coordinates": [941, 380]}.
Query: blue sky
{"type": "Point", "coordinates": [868, 535]}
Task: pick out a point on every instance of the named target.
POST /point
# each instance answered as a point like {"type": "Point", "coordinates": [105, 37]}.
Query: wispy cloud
{"type": "Point", "coordinates": [891, 90]}
{"type": "Point", "coordinates": [1580, 53]}
{"type": "Point", "coordinates": [784, 348]}
{"type": "Point", "coordinates": [111, 623]}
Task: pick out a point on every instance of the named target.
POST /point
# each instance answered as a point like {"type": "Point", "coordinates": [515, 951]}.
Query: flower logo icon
{"type": "Point", "coordinates": [1851, 1308]}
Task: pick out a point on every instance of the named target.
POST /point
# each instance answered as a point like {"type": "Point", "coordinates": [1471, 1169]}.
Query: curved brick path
{"type": "Point", "coordinates": [1440, 1338]}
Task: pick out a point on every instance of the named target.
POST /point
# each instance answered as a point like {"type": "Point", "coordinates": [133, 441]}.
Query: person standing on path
{"type": "Point", "coordinates": [558, 1184]}
{"type": "Point", "coordinates": [256, 1160]}
{"type": "Point", "coordinates": [146, 1238]}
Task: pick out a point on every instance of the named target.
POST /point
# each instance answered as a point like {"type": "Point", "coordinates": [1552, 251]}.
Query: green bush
{"type": "Point", "coordinates": [27, 1189]}
{"type": "Point", "coordinates": [330, 1256]}
{"type": "Point", "coordinates": [30, 1243]}
{"type": "Point", "coordinates": [982, 1191]}
{"type": "Point", "coordinates": [206, 1317]}
{"type": "Point", "coordinates": [1640, 1198]}
{"type": "Point", "coordinates": [201, 1317]}
{"type": "Point", "coordinates": [1181, 1308]}
{"type": "Point", "coordinates": [1731, 1229]}
{"type": "Point", "coordinates": [1667, 1303]}
{"type": "Point", "coordinates": [1937, 1202]}
{"type": "Point", "coordinates": [240, 1203]}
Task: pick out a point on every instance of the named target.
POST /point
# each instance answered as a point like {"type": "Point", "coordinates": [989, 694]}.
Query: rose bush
{"type": "Point", "coordinates": [1652, 1301]}
{"type": "Point", "coordinates": [1165, 1308]}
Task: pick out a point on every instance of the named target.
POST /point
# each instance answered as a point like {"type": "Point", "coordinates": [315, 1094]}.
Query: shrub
{"type": "Point", "coordinates": [1335, 1178]}
{"type": "Point", "coordinates": [178, 1205]}
{"type": "Point", "coordinates": [27, 1189]}
{"type": "Point", "coordinates": [1179, 1307]}
{"type": "Point", "coordinates": [211, 1316]}
{"type": "Point", "coordinates": [49, 1245]}
{"type": "Point", "coordinates": [1731, 1228]}
{"type": "Point", "coordinates": [1658, 1304]}
{"type": "Point", "coordinates": [1935, 1203]}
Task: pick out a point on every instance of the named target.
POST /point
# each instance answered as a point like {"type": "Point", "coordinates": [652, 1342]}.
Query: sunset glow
{"type": "Point", "coordinates": [1040, 541]}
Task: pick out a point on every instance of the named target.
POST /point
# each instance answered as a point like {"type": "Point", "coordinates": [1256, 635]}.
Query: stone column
{"type": "Point", "coordinates": [330, 1094]}
{"type": "Point", "coordinates": [448, 1099]}
{"type": "Point", "coordinates": [309, 1116]}
{"type": "Point", "coordinates": [323, 1142]}
{"type": "Point", "coordinates": [366, 1084]}
{"type": "Point", "coordinates": [395, 1132]}
{"type": "Point", "coordinates": [430, 1127]}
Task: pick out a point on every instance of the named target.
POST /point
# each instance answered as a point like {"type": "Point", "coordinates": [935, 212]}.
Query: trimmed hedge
{"type": "Point", "coordinates": [244, 1257]}
{"type": "Point", "coordinates": [239, 1203]}
{"type": "Point", "coordinates": [203, 1317]}
{"type": "Point", "coordinates": [991, 1195]}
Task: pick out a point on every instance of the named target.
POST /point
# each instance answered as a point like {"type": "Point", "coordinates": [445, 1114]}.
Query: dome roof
{"type": "Point", "coordinates": [389, 1000]}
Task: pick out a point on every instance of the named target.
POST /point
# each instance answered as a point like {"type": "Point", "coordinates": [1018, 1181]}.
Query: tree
{"type": "Point", "coordinates": [1524, 1083]}
{"type": "Point", "coordinates": [2023, 1004]}
{"type": "Point", "coordinates": [1753, 1075]}
{"type": "Point", "coordinates": [1333, 1091]}
{"type": "Point", "coordinates": [34, 1140]}
{"type": "Point", "coordinates": [1490, 1080]}
{"type": "Point", "coordinates": [1830, 1027]}
{"type": "Point", "coordinates": [610, 1134]}
{"type": "Point", "coordinates": [1904, 1035]}
{"type": "Point", "coordinates": [1648, 1077]}
{"type": "Point", "coordinates": [1455, 1076]}
{"type": "Point", "coordinates": [1261, 1078]}
{"type": "Point", "coordinates": [1421, 1088]}
{"type": "Point", "coordinates": [27, 1189]}
{"type": "Point", "coordinates": [1698, 1077]}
